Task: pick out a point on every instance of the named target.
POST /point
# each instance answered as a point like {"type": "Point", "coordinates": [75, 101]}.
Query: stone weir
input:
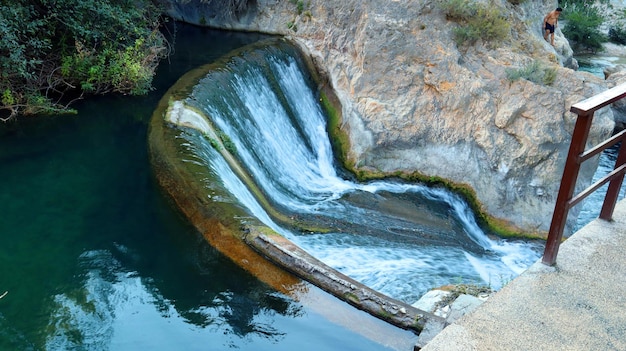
{"type": "Point", "coordinates": [255, 247]}
{"type": "Point", "coordinates": [415, 100]}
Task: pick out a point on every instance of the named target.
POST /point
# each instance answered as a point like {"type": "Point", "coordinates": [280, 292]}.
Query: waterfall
{"type": "Point", "coordinates": [401, 239]}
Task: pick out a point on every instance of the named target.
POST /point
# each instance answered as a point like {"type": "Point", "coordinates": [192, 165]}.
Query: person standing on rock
{"type": "Point", "coordinates": [549, 24]}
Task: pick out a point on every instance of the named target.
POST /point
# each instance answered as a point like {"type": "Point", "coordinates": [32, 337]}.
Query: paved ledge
{"type": "Point", "coordinates": [579, 304]}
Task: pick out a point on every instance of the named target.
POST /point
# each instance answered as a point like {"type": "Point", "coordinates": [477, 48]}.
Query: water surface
{"type": "Point", "coordinates": [94, 257]}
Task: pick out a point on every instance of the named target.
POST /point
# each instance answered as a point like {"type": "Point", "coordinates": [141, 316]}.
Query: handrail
{"type": "Point", "coordinates": [576, 156]}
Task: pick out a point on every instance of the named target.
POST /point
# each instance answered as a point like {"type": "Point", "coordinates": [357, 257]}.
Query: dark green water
{"type": "Point", "coordinates": [94, 257]}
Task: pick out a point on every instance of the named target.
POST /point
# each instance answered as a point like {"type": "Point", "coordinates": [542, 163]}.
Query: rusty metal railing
{"type": "Point", "coordinates": [576, 156]}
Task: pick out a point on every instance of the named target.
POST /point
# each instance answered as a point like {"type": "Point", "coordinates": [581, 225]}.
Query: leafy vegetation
{"type": "Point", "coordinates": [227, 142]}
{"type": "Point", "coordinates": [50, 49]}
{"type": "Point", "coordinates": [582, 26]}
{"type": "Point", "coordinates": [302, 9]}
{"type": "Point", "coordinates": [535, 72]}
{"type": "Point", "coordinates": [299, 5]}
{"type": "Point", "coordinates": [476, 21]}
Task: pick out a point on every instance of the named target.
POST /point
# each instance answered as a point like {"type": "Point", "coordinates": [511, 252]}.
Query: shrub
{"type": "Point", "coordinates": [48, 47]}
{"type": "Point", "coordinates": [458, 10]}
{"type": "Point", "coordinates": [476, 21]}
{"type": "Point", "coordinates": [582, 28]}
{"type": "Point", "coordinates": [535, 72]}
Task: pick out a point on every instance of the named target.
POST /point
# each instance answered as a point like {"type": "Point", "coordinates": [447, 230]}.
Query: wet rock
{"type": "Point", "coordinates": [447, 305]}
{"type": "Point", "coordinates": [413, 100]}
{"type": "Point", "coordinates": [431, 302]}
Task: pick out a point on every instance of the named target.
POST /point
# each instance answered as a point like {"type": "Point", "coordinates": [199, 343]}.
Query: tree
{"type": "Point", "coordinates": [49, 48]}
{"type": "Point", "coordinates": [583, 27]}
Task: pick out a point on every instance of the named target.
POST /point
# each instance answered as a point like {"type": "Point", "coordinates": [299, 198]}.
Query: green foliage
{"type": "Point", "coordinates": [458, 10]}
{"type": "Point", "coordinates": [7, 97]}
{"type": "Point", "coordinates": [214, 143]}
{"type": "Point", "coordinates": [464, 35]}
{"type": "Point", "coordinates": [110, 69]}
{"type": "Point", "coordinates": [582, 27]}
{"type": "Point", "coordinates": [535, 72]}
{"type": "Point", "coordinates": [49, 47]}
{"type": "Point", "coordinates": [301, 10]}
{"type": "Point", "coordinates": [299, 5]}
{"type": "Point", "coordinates": [227, 142]}
{"type": "Point", "coordinates": [476, 21]}
{"type": "Point", "coordinates": [224, 142]}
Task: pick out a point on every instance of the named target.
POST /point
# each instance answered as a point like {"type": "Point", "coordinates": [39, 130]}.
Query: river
{"type": "Point", "coordinates": [94, 257]}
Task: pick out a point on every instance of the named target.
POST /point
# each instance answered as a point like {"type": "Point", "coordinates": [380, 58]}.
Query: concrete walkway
{"type": "Point", "coordinates": [580, 304]}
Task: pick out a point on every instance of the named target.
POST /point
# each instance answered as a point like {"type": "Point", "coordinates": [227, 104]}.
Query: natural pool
{"type": "Point", "coordinates": [94, 257]}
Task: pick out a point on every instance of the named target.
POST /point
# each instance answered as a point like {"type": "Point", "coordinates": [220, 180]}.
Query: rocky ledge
{"type": "Point", "coordinates": [414, 101]}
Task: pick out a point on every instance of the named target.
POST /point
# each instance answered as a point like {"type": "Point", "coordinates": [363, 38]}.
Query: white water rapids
{"type": "Point", "coordinates": [405, 238]}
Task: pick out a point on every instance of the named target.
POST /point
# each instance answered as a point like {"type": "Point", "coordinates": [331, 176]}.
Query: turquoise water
{"type": "Point", "coordinates": [591, 206]}
{"type": "Point", "coordinates": [94, 257]}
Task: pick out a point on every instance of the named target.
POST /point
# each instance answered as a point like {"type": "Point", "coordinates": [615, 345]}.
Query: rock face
{"type": "Point", "coordinates": [615, 78]}
{"type": "Point", "coordinates": [413, 100]}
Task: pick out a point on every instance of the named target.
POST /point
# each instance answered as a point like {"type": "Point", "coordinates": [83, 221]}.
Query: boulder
{"type": "Point", "coordinates": [616, 75]}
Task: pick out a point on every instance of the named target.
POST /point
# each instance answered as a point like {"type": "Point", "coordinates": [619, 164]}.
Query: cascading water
{"type": "Point", "coordinates": [400, 239]}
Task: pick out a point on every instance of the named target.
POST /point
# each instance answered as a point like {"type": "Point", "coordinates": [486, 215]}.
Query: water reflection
{"type": "Point", "coordinates": [97, 314]}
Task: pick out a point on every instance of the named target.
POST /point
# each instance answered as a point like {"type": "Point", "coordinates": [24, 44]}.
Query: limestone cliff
{"type": "Point", "coordinates": [413, 100]}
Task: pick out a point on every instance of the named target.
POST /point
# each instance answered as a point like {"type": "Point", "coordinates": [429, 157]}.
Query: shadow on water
{"type": "Point", "coordinates": [94, 257]}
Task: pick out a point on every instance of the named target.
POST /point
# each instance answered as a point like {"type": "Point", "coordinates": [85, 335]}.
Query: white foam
{"type": "Point", "coordinates": [288, 153]}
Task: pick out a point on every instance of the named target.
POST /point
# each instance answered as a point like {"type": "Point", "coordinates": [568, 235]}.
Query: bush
{"type": "Point", "coordinates": [582, 28]}
{"type": "Point", "coordinates": [477, 21]}
{"type": "Point", "coordinates": [535, 72]}
{"type": "Point", "coordinates": [458, 10]}
{"type": "Point", "coordinates": [50, 47]}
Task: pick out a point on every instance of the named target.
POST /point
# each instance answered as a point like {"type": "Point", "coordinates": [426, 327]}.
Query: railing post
{"type": "Point", "coordinates": [612, 193]}
{"type": "Point", "coordinates": [566, 190]}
